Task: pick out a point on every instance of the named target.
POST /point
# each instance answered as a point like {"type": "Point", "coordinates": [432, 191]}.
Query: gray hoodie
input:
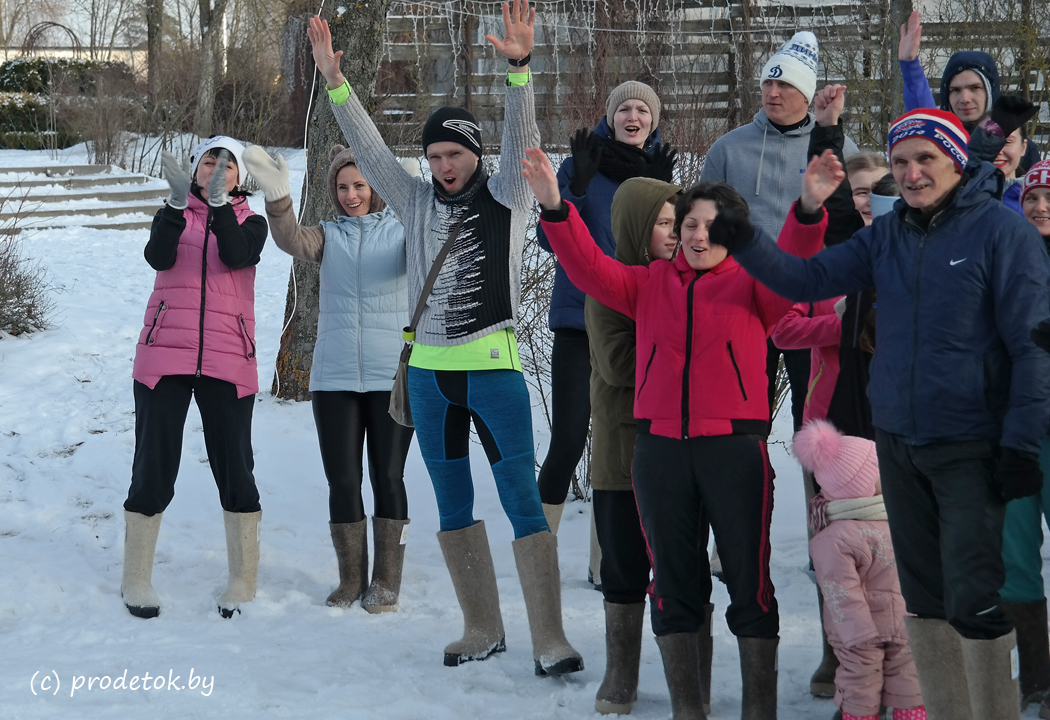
{"type": "Point", "coordinates": [764, 166]}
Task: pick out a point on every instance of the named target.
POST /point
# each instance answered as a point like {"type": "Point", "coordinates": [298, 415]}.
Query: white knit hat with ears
{"type": "Point", "coordinates": [220, 141]}
{"type": "Point", "coordinates": [795, 63]}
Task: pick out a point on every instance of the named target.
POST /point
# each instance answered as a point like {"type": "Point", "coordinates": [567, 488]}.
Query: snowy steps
{"type": "Point", "coordinates": [92, 196]}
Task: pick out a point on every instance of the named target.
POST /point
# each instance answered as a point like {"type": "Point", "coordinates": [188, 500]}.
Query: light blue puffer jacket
{"type": "Point", "coordinates": [363, 304]}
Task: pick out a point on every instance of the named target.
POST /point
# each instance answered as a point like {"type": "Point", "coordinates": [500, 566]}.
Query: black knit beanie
{"type": "Point", "coordinates": [453, 124]}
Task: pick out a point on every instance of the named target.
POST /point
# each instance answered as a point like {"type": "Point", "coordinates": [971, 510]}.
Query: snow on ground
{"type": "Point", "coordinates": [66, 442]}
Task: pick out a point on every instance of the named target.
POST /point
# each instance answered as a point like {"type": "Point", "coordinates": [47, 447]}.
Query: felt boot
{"type": "Point", "coordinates": [351, 552]}
{"type": "Point", "coordinates": [242, 550]}
{"type": "Point", "coordinates": [389, 539]}
{"type": "Point", "coordinates": [553, 515]}
{"type": "Point", "coordinates": [140, 545]}
{"type": "Point", "coordinates": [469, 562]}
{"type": "Point", "coordinates": [537, 559]}
{"type": "Point", "coordinates": [937, 649]}
{"type": "Point", "coordinates": [623, 651]}
{"type": "Point", "coordinates": [681, 657]}
{"type": "Point", "coordinates": [758, 670]}
{"type": "Point", "coordinates": [994, 690]}
{"type": "Point", "coordinates": [706, 645]}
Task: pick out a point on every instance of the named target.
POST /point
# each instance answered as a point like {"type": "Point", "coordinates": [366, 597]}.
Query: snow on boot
{"type": "Point", "coordinates": [1033, 648]}
{"type": "Point", "coordinates": [706, 645]}
{"type": "Point", "coordinates": [469, 562]}
{"type": "Point", "coordinates": [623, 651]}
{"type": "Point", "coordinates": [994, 690]}
{"type": "Point", "coordinates": [537, 559]}
{"type": "Point", "coordinates": [681, 656]}
{"type": "Point", "coordinates": [242, 550]}
{"type": "Point", "coordinates": [822, 683]}
{"type": "Point", "coordinates": [594, 569]}
{"type": "Point", "coordinates": [758, 670]}
{"type": "Point", "coordinates": [552, 513]}
{"type": "Point", "coordinates": [351, 553]}
{"type": "Point", "coordinates": [937, 649]}
{"type": "Point", "coordinates": [140, 544]}
{"type": "Point", "coordinates": [389, 538]}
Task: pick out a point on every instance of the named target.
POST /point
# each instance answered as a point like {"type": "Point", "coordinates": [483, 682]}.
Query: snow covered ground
{"type": "Point", "coordinates": [66, 442]}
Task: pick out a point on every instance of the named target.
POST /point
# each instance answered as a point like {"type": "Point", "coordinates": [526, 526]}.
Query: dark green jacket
{"type": "Point", "coordinates": [635, 207]}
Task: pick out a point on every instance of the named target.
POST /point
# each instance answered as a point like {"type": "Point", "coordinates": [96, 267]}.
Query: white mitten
{"type": "Point", "coordinates": [270, 175]}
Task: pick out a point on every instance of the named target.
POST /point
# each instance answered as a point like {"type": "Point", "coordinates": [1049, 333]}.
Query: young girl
{"type": "Point", "coordinates": [857, 574]}
{"type": "Point", "coordinates": [702, 415]}
{"type": "Point", "coordinates": [199, 342]}
{"type": "Point", "coordinates": [363, 306]}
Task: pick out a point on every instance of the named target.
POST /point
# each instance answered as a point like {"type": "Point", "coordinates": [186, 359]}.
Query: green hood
{"type": "Point", "coordinates": [635, 207]}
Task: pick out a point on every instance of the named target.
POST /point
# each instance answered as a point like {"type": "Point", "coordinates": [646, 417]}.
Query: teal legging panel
{"type": "Point", "coordinates": [1023, 540]}
{"type": "Point", "coordinates": [444, 403]}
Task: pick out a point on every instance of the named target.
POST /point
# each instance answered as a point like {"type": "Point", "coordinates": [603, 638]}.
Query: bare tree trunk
{"type": "Point", "coordinates": [359, 31]}
{"type": "Point", "coordinates": [154, 47]}
{"type": "Point", "coordinates": [213, 50]}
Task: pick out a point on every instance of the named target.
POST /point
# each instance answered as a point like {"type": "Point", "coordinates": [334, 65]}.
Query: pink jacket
{"type": "Point", "coordinates": [857, 574]}
{"type": "Point", "coordinates": [179, 314]}
{"type": "Point", "coordinates": [820, 331]}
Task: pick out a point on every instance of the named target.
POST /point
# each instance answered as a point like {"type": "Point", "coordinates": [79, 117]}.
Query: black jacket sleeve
{"type": "Point", "coordinates": [843, 218]}
{"type": "Point", "coordinates": [240, 246]}
{"type": "Point", "coordinates": [163, 244]}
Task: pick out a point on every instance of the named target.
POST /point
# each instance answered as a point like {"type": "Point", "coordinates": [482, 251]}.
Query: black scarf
{"type": "Point", "coordinates": [470, 189]}
{"type": "Point", "coordinates": [621, 161]}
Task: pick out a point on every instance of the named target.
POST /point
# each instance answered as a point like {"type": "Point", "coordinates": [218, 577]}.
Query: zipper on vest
{"type": "Point", "coordinates": [360, 299]}
{"type": "Point", "coordinates": [688, 355]}
{"type": "Point", "coordinates": [156, 315]}
{"type": "Point", "coordinates": [204, 286]}
{"type": "Point", "coordinates": [736, 369]}
{"type": "Point", "coordinates": [247, 337]}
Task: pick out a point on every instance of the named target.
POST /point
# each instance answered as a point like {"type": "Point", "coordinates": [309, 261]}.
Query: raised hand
{"type": "Point", "coordinates": [828, 105]}
{"type": "Point", "coordinates": [586, 159]}
{"type": "Point", "coordinates": [325, 58]}
{"type": "Point", "coordinates": [217, 195]}
{"type": "Point", "coordinates": [823, 174]}
{"type": "Point", "coordinates": [178, 177]}
{"type": "Point", "coordinates": [270, 175]}
{"type": "Point", "coordinates": [1011, 112]}
{"type": "Point", "coordinates": [541, 178]}
{"type": "Point", "coordinates": [518, 31]}
{"type": "Point", "coordinates": [664, 159]}
{"type": "Point", "coordinates": [911, 37]}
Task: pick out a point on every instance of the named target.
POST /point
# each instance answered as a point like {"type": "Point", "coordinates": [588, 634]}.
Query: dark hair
{"type": "Point", "coordinates": [214, 153]}
{"type": "Point", "coordinates": [886, 186]}
{"type": "Point", "coordinates": [723, 195]}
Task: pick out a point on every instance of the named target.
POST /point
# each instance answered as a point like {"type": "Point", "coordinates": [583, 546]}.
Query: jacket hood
{"type": "Point", "coordinates": [635, 207]}
{"type": "Point", "coordinates": [982, 62]}
{"type": "Point", "coordinates": [604, 130]}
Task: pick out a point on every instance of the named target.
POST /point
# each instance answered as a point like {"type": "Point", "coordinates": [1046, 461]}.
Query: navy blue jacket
{"type": "Point", "coordinates": [595, 208]}
{"type": "Point", "coordinates": [956, 303]}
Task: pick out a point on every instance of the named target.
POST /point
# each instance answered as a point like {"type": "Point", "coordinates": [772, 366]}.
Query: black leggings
{"type": "Point", "coordinates": [625, 557]}
{"type": "Point", "coordinates": [345, 421]}
{"type": "Point", "coordinates": [571, 413]}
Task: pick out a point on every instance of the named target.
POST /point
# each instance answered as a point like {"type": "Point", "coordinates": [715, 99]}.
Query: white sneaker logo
{"type": "Point", "coordinates": [956, 262]}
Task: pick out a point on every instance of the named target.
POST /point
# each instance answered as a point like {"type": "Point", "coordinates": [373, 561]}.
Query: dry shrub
{"type": "Point", "coordinates": [25, 305]}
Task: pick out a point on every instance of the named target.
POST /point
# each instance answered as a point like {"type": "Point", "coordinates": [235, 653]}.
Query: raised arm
{"type": "Point", "coordinates": [843, 217]}
{"type": "Point", "coordinates": [305, 243]}
{"type": "Point", "coordinates": [917, 92]}
{"type": "Point", "coordinates": [608, 281]}
{"type": "Point", "coordinates": [379, 166]}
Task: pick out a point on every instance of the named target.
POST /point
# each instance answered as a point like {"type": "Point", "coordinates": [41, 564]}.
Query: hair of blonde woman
{"type": "Point", "coordinates": [865, 160]}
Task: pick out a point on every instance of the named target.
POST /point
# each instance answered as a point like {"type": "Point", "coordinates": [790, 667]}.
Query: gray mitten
{"type": "Point", "coordinates": [178, 177]}
{"type": "Point", "coordinates": [217, 195]}
{"type": "Point", "coordinates": [271, 175]}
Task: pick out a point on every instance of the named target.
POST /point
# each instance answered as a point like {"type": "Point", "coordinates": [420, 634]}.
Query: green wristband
{"type": "Point", "coordinates": [517, 79]}
{"type": "Point", "coordinates": [340, 95]}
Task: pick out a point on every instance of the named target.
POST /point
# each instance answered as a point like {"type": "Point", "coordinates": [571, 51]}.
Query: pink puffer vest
{"type": "Point", "coordinates": [170, 342]}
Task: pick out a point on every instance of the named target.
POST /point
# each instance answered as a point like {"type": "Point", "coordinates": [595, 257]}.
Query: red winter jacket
{"type": "Point", "coordinates": [701, 357]}
{"type": "Point", "coordinates": [814, 327]}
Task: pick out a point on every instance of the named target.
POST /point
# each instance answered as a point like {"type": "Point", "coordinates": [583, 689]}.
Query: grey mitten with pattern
{"type": "Point", "coordinates": [178, 177]}
{"type": "Point", "coordinates": [217, 195]}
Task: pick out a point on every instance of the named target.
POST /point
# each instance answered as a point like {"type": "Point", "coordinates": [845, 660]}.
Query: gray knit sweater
{"type": "Point", "coordinates": [428, 222]}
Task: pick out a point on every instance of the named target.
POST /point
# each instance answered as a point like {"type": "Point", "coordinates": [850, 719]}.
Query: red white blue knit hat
{"type": "Point", "coordinates": [941, 128]}
{"type": "Point", "coordinates": [1037, 177]}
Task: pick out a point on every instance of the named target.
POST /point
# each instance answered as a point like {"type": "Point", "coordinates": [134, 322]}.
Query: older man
{"type": "Point", "coordinates": [960, 395]}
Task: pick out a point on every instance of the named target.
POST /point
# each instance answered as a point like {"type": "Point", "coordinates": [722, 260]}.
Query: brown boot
{"type": "Point", "coordinates": [537, 559]}
{"type": "Point", "coordinates": [1033, 648]}
{"type": "Point", "coordinates": [822, 683]}
{"type": "Point", "coordinates": [706, 646]}
{"type": "Point", "coordinates": [469, 562]}
{"type": "Point", "coordinates": [994, 691]}
{"type": "Point", "coordinates": [389, 539]}
{"type": "Point", "coordinates": [937, 649]}
{"type": "Point", "coordinates": [351, 552]}
{"type": "Point", "coordinates": [681, 657]}
{"type": "Point", "coordinates": [758, 670]}
{"type": "Point", "coordinates": [623, 651]}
